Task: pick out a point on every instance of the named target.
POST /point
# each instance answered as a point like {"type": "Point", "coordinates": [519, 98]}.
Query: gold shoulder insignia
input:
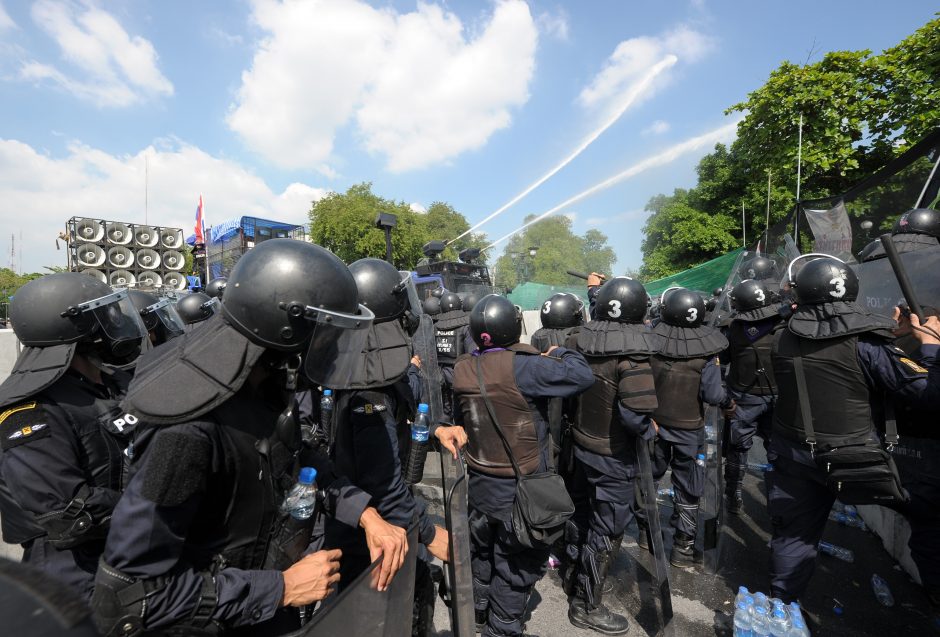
{"type": "Point", "coordinates": [12, 410]}
{"type": "Point", "coordinates": [914, 366]}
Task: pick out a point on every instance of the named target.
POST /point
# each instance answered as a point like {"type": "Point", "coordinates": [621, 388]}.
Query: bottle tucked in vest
{"type": "Point", "coordinates": [485, 451]}
{"type": "Point", "coordinates": [838, 392]}
{"type": "Point", "coordinates": [677, 391]}
{"type": "Point", "coordinates": [751, 370]}
{"type": "Point", "coordinates": [598, 428]}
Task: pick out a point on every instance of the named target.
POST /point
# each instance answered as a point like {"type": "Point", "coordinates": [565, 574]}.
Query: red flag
{"type": "Point", "coordinates": [200, 223]}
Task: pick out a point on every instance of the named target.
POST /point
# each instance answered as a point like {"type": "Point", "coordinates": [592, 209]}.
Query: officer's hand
{"type": "Point", "coordinates": [416, 361]}
{"type": "Point", "coordinates": [452, 438]}
{"type": "Point", "coordinates": [312, 578]}
{"type": "Point", "coordinates": [595, 279]}
{"type": "Point", "coordinates": [730, 409]}
{"type": "Point", "coordinates": [440, 545]}
{"type": "Point", "coordinates": [904, 323]}
{"type": "Point", "coordinates": [927, 333]}
{"type": "Point", "coordinates": [655, 426]}
{"type": "Point", "coordinates": [385, 541]}
{"type": "Point", "coordinates": [550, 350]}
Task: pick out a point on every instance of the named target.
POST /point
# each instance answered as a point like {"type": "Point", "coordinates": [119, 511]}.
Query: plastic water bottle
{"type": "Point", "coordinates": [700, 460]}
{"type": "Point", "coordinates": [742, 595]}
{"type": "Point", "coordinates": [326, 412]}
{"type": "Point", "coordinates": [302, 499]}
{"type": "Point", "coordinates": [779, 622]}
{"type": "Point", "coordinates": [420, 432]}
{"type": "Point", "coordinates": [761, 601]}
{"type": "Point", "coordinates": [848, 509]}
{"type": "Point", "coordinates": [710, 434]}
{"type": "Point", "coordinates": [760, 626]}
{"type": "Point", "coordinates": [844, 554]}
{"type": "Point", "coordinates": [665, 496]}
{"type": "Point", "coordinates": [742, 620]}
{"type": "Point", "coordinates": [882, 592]}
{"type": "Point", "coordinates": [795, 612]}
{"type": "Point", "coordinates": [798, 629]}
{"type": "Point", "coordinates": [848, 520]}
{"type": "Point", "coordinates": [760, 467]}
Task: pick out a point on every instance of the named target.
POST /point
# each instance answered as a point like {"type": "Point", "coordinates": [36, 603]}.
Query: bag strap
{"type": "Point", "coordinates": [803, 394]}
{"type": "Point", "coordinates": [492, 412]}
{"type": "Point", "coordinates": [891, 424]}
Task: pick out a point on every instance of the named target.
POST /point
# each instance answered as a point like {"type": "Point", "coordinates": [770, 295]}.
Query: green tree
{"type": "Point", "coordinates": [445, 223]}
{"type": "Point", "coordinates": [558, 249]}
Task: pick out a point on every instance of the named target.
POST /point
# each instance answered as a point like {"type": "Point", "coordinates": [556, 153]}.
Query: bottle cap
{"type": "Point", "coordinates": [307, 475]}
{"type": "Point", "coordinates": [422, 408]}
{"type": "Point", "coordinates": [700, 456]}
{"type": "Point", "coordinates": [779, 613]}
{"type": "Point", "coordinates": [760, 610]}
{"type": "Point", "coordinates": [743, 589]}
{"type": "Point", "coordinates": [327, 392]}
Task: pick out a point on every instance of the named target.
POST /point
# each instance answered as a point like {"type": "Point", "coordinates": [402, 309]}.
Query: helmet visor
{"type": "Point", "coordinates": [335, 345]}
{"type": "Point", "coordinates": [117, 317]}
{"type": "Point", "coordinates": [166, 312]}
{"type": "Point", "coordinates": [407, 286]}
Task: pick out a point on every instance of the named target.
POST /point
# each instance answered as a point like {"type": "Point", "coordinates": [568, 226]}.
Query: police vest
{"type": "Point", "coordinates": [677, 391]}
{"type": "Point", "coordinates": [448, 346]}
{"type": "Point", "coordinates": [616, 379]}
{"type": "Point", "coordinates": [485, 451]}
{"type": "Point", "coordinates": [751, 370]}
{"type": "Point", "coordinates": [838, 392]}
{"type": "Point", "coordinates": [239, 516]}
{"type": "Point", "coordinates": [97, 424]}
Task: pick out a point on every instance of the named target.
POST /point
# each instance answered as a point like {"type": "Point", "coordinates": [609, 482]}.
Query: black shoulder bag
{"type": "Point", "coordinates": [855, 474]}
{"type": "Point", "coordinates": [542, 504]}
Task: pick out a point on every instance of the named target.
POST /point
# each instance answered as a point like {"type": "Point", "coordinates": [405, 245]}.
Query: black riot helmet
{"type": "Point", "coordinates": [750, 294]}
{"type": "Point", "coordinates": [294, 296]}
{"type": "Point", "coordinates": [70, 307]}
{"type": "Point", "coordinates": [431, 306]}
{"type": "Point", "coordinates": [561, 311]}
{"type": "Point", "coordinates": [623, 300]}
{"type": "Point", "coordinates": [470, 299]}
{"type": "Point", "coordinates": [216, 287]}
{"type": "Point", "coordinates": [438, 292]}
{"type": "Point", "coordinates": [760, 268]}
{"type": "Point", "coordinates": [380, 288]}
{"type": "Point", "coordinates": [450, 302]}
{"type": "Point", "coordinates": [874, 250]}
{"type": "Point", "coordinates": [495, 322]}
{"type": "Point", "coordinates": [919, 221]}
{"type": "Point", "coordinates": [682, 308]}
{"type": "Point", "coordinates": [159, 316]}
{"type": "Point", "coordinates": [195, 308]}
{"type": "Point", "coordinates": [824, 279]}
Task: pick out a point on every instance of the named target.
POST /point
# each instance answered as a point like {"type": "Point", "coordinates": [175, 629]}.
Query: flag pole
{"type": "Point", "coordinates": [743, 227]}
{"type": "Point", "coordinates": [205, 239]}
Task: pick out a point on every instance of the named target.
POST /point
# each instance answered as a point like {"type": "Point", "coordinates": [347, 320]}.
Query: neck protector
{"type": "Point", "coordinates": [690, 342]}
{"type": "Point", "coordinates": [609, 338]}
{"type": "Point", "coordinates": [385, 357]}
{"type": "Point", "coordinates": [191, 375]}
{"type": "Point", "coordinates": [545, 337]}
{"type": "Point", "coordinates": [35, 369]}
{"type": "Point", "coordinates": [841, 318]}
{"type": "Point", "coordinates": [761, 313]}
{"type": "Point", "coordinates": [452, 320]}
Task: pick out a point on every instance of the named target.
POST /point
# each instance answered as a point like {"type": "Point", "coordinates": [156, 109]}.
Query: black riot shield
{"type": "Point", "coordinates": [365, 612]}
{"type": "Point", "coordinates": [660, 570]}
{"type": "Point", "coordinates": [712, 498]}
{"type": "Point", "coordinates": [425, 348]}
{"type": "Point", "coordinates": [878, 288]}
{"type": "Point", "coordinates": [459, 576]}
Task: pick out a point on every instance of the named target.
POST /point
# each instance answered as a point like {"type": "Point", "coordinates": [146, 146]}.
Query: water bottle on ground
{"type": "Point", "coordinates": [742, 620]}
{"type": "Point", "coordinates": [779, 622]}
{"type": "Point", "coordinates": [882, 592]}
{"type": "Point", "coordinates": [844, 554]}
{"type": "Point", "coordinates": [302, 498]}
{"type": "Point", "coordinates": [664, 496]}
{"type": "Point", "coordinates": [795, 612]}
{"type": "Point", "coordinates": [761, 601]}
{"type": "Point", "coordinates": [700, 460]}
{"type": "Point", "coordinates": [742, 594]}
{"type": "Point", "coordinates": [848, 520]}
{"type": "Point", "coordinates": [798, 629]}
{"type": "Point", "coordinates": [848, 509]}
{"type": "Point", "coordinates": [420, 432]}
{"type": "Point", "coordinates": [760, 626]}
{"type": "Point", "coordinates": [760, 467]}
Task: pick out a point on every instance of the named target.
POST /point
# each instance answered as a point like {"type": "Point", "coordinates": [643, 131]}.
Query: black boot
{"type": "Point", "coordinates": [683, 553]}
{"type": "Point", "coordinates": [568, 571]}
{"type": "Point", "coordinates": [735, 502]}
{"type": "Point", "coordinates": [479, 619]}
{"type": "Point", "coordinates": [586, 609]}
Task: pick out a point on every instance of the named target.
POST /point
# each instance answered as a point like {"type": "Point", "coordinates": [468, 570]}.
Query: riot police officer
{"type": "Point", "coordinates": [687, 375]}
{"type": "Point", "coordinates": [159, 316]}
{"type": "Point", "coordinates": [61, 427]}
{"type": "Point", "coordinates": [559, 314]}
{"type": "Point", "coordinates": [431, 306]}
{"type": "Point", "coordinates": [759, 268]}
{"type": "Point", "coordinates": [750, 378]}
{"type": "Point", "coordinates": [518, 382]}
{"type": "Point", "coordinates": [453, 339]}
{"type": "Point", "coordinates": [611, 415]}
{"type": "Point", "coordinates": [835, 362]}
{"type": "Point", "coordinates": [372, 432]}
{"type": "Point", "coordinates": [914, 230]}
{"type": "Point", "coordinates": [195, 308]}
{"type": "Point", "coordinates": [200, 543]}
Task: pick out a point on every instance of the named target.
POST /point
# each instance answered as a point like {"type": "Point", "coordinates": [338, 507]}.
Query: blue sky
{"type": "Point", "coordinates": [263, 106]}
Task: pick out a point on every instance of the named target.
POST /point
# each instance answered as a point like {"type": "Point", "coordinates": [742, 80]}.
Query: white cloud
{"type": "Point", "coordinates": [554, 24]}
{"type": "Point", "coordinates": [656, 128]}
{"type": "Point", "coordinates": [224, 37]}
{"type": "Point", "coordinates": [572, 216]}
{"type": "Point", "coordinates": [39, 193]}
{"type": "Point", "coordinates": [112, 68]}
{"type": "Point", "coordinates": [416, 207]}
{"type": "Point", "coordinates": [633, 58]}
{"type": "Point", "coordinates": [419, 89]}
{"type": "Point", "coordinates": [6, 22]}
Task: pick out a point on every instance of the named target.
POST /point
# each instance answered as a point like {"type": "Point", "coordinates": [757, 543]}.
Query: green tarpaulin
{"type": "Point", "coordinates": [530, 296]}
{"type": "Point", "coordinates": [704, 278]}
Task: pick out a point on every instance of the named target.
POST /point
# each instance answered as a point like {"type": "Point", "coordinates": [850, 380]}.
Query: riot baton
{"type": "Point", "coordinates": [660, 570]}
{"type": "Point", "coordinates": [900, 272]}
{"type": "Point", "coordinates": [582, 275]}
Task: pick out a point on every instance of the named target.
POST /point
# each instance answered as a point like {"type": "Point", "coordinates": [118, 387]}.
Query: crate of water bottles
{"type": "Point", "coordinates": [756, 615]}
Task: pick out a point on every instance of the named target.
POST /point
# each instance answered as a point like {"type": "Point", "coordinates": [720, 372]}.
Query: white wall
{"type": "Point", "coordinates": [9, 349]}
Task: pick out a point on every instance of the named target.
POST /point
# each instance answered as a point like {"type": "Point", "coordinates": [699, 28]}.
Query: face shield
{"type": "Point", "coordinates": [413, 308]}
{"type": "Point", "coordinates": [118, 322]}
{"type": "Point", "coordinates": [336, 343]}
{"type": "Point", "coordinates": [165, 312]}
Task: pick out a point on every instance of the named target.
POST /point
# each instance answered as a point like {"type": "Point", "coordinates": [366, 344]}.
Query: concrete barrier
{"type": "Point", "coordinates": [9, 350]}
{"type": "Point", "coordinates": [894, 532]}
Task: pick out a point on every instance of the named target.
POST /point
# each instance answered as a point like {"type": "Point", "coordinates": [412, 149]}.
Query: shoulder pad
{"type": "Point", "coordinates": [522, 348]}
{"type": "Point", "coordinates": [452, 320]}
{"type": "Point", "coordinates": [23, 423]}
